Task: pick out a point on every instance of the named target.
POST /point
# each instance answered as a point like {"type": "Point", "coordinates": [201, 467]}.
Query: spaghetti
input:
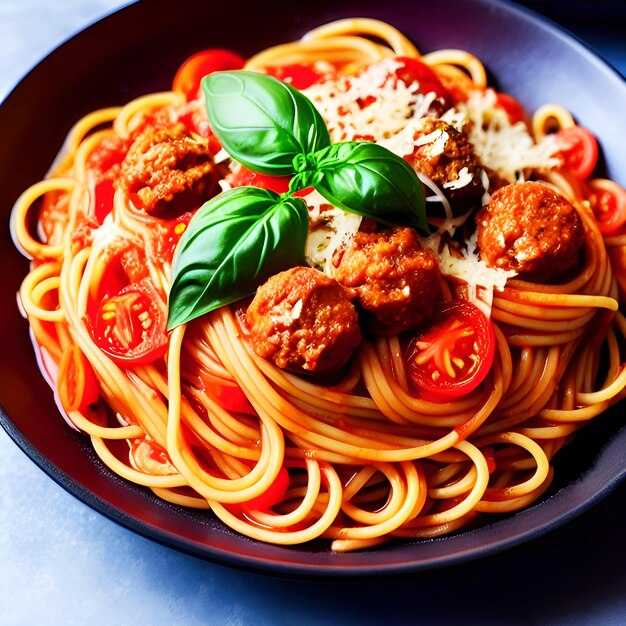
{"type": "Point", "coordinates": [202, 420]}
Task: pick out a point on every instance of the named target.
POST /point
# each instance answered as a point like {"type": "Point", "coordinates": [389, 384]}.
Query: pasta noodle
{"type": "Point", "coordinates": [363, 460]}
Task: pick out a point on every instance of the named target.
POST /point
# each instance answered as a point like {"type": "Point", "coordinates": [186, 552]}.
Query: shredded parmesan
{"type": "Point", "coordinates": [374, 103]}
{"type": "Point", "coordinates": [465, 265]}
{"type": "Point", "coordinates": [378, 106]}
{"type": "Point", "coordinates": [506, 148]}
{"type": "Point", "coordinates": [329, 228]}
{"type": "Point", "coordinates": [465, 178]}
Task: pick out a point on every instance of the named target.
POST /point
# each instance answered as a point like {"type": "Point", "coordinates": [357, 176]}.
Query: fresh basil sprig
{"type": "Point", "coordinates": [261, 121]}
{"type": "Point", "coordinates": [365, 178]}
{"type": "Point", "coordinates": [234, 243]}
{"type": "Point", "coordinates": [243, 236]}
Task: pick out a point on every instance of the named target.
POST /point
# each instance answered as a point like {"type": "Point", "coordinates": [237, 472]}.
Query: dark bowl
{"type": "Point", "coordinates": [136, 51]}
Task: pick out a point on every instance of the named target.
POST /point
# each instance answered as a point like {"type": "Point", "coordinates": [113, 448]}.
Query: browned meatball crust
{"type": "Point", "coordinates": [531, 229]}
{"type": "Point", "coordinates": [397, 281]}
{"type": "Point", "coordinates": [303, 320]}
{"type": "Point", "coordinates": [168, 169]}
{"type": "Point", "coordinates": [443, 166]}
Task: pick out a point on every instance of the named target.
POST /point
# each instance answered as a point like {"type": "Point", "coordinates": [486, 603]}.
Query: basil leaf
{"type": "Point", "coordinates": [234, 243]}
{"type": "Point", "coordinates": [261, 121]}
{"type": "Point", "coordinates": [368, 179]}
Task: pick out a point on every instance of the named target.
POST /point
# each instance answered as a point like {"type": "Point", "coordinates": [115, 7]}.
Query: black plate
{"type": "Point", "coordinates": [136, 51]}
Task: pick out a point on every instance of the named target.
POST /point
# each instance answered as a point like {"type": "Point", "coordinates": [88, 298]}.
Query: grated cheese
{"type": "Point", "coordinates": [373, 103]}
{"type": "Point", "coordinates": [329, 228]}
{"type": "Point", "coordinates": [506, 148]}
{"type": "Point", "coordinates": [464, 178]}
{"type": "Point", "coordinates": [376, 104]}
{"type": "Point", "coordinates": [465, 265]}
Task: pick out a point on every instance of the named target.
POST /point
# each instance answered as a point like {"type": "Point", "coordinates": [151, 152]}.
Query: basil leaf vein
{"type": "Point", "coordinates": [262, 122]}
{"type": "Point", "coordinates": [369, 179]}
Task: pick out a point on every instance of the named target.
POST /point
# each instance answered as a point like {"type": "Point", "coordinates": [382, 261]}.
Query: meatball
{"type": "Point", "coordinates": [397, 281]}
{"type": "Point", "coordinates": [529, 228]}
{"type": "Point", "coordinates": [447, 157]}
{"type": "Point", "coordinates": [303, 321]}
{"type": "Point", "coordinates": [168, 169]}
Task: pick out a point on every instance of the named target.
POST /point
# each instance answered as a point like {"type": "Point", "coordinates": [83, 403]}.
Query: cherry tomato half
{"type": "Point", "coordinates": [413, 70]}
{"type": "Point", "coordinates": [452, 356]}
{"type": "Point", "coordinates": [196, 67]}
{"type": "Point", "coordinates": [579, 150]}
{"type": "Point", "coordinates": [608, 202]}
{"type": "Point", "coordinates": [130, 327]}
{"type": "Point", "coordinates": [77, 384]}
{"type": "Point", "coordinates": [271, 496]}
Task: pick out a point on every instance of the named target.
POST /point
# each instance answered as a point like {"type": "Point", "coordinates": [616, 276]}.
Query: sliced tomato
{"type": "Point", "coordinates": [579, 150]}
{"type": "Point", "coordinates": [453, 355]}
{"type": "Point", "coordinates": [274, 494]}
{"type": "Point", "coordinates": [412, 70]}
{"type": "Point", "coordinates": [280, 184]}
{"type": "Point", "coordinates": [608, 202]}
{"type": "Point", "coordinates": [125, 263]}
{"type": "Point", "coordinates": [196, 67]}
{"type": "Point", "coordinates": [130, 327]}
{"type": "Point", "coordinates": [77, 384]}
{"type": "Point", "coordinates": [299, 75]}
{"type": "Point", "coordinates": [514, 110]}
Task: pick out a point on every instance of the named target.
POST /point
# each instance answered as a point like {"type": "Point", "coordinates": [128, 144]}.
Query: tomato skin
{"type": "Point", "coordinates": [130, 327]}
{"type": "Point", "coordinates": [579, 150]}
{"type": "Point", "coordinates": [608, 202]}
{"type": "Point", "coordinates": [298, 75]}
{"type": "Point", "coordinates": [514, 110]}
{"type": "Point", "coordinates": [189, 75]}
{"type": "Point", "coordinates": [232, 398]}
{"type": "Point", "coordinates": [103, 199]}
{"type": "Point", "coordinates": [125, 264]}
{"type": "Point", "coordinates": [453, 355]}
{"type": "Point", "coordinates": [280, 184]}
{"type": "Point", "coordinates": [77, 384]}
{"type": "Point", "coordinates": [271, 496]}
{"type": "Point", "coordinates": [227, 394]}
{"type": "Point", "coordinates": [413, 70]}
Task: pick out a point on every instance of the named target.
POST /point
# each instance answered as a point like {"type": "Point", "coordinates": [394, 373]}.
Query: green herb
{"type": "Point", "coordinates": [261, 121]}
{"type": "Point", "coordinates": [234, 243]}
{"type": "Point", "coordinates": [368, 179]}
{"type": "Point", "coordinates": [243, 236]}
